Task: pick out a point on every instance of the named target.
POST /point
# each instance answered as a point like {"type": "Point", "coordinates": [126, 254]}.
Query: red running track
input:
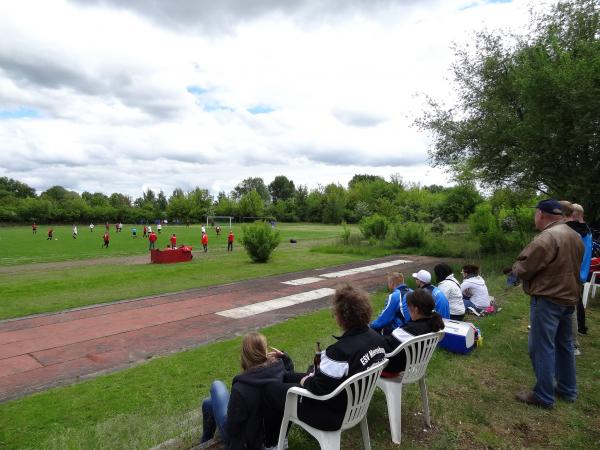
{"type": "Point", "coordinates": [39, 352]}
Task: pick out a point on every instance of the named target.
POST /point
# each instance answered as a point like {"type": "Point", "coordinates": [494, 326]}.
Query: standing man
{"type": "Point", "coordinates": [423, 281]}
{"type": "Point", "coordinates": [230, 241]}
{"type": "Point", "coordinates": [549, 268]}
{"type": "Point", "coordinates": [159, 227]}
{"type": "Point", "coordinates": [173, 240]}
{"type": "Point", "coordinates": [145, 232]}
{"type": "Point", "coordinates": [74, 231]}
{"type": "Point", "coordinates": [205, 242]}
{"type": "Point", "coordinates": [152, 238]}
{"type": "Point", "coordinates": [50, 234]}
{"type": "Point", "coordinates": [33, 228]}
{"type": "Point", "coordinates": [574, 219]}
{"type": "Point", "coordinates": [106, 238]}
{"type": "Point", "coordinates": [91, 227]}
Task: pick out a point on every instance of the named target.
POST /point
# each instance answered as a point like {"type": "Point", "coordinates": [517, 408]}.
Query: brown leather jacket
{"type": "Point", "coordinates": [549, 266]}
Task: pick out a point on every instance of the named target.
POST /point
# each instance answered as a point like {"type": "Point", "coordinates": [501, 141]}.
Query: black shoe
{"type": "Point", "coordinates": [530, 399]}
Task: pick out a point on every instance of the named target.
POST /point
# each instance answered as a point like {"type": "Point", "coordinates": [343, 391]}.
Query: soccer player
{"type": "Point", "coordinates": [173, 240]}
{"type": "Point", "coordinates": [230, 241]}
{"type": "Point", "coordinates": [106, 239]}
{"type": "Point", "coordinates": [205, 242]}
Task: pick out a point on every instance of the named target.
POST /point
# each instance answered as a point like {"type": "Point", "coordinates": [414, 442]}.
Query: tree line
{"type": "Point", "coordinates": [282, 200]}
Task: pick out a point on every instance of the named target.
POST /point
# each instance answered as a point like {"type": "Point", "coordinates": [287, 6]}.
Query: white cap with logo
{"type": "Point", "coordinates": [423, 276]}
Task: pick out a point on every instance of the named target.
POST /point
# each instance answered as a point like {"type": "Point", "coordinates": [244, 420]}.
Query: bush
{"type": "Point", "coordinates": [438, 226]}
{"type": "Point", "coordinates": [375, 227]}
{"type": "Point", "coordinates": [345, 235]}
{"type": "Point", "coordinates": [409, 234]}
{"type": "Point", "coordinates": [259, 240]}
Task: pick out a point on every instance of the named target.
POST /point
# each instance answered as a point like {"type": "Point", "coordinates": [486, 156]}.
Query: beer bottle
{"type": "Point", "coordinates": [317, 360]}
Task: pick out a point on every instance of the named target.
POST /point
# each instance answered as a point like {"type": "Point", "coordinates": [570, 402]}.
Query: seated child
{"type": "Point", "coordinates": [475, 292]}
{"type": "Point", "coordinates": [242, 420]}
{"type": "Point", "coordinates": [423, 320]}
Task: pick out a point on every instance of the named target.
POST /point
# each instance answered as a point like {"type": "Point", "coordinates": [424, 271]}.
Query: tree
{"type": "Point", "coordinates": [334, 204]}
{"type": "Point", "coordinates": [251, 204]}
{"type": "Point", "coordinates": [249, 184]}
{"type": "Point", "coordinates": [281, 188]}
{"type": "Point", "coordinates": [15, 188]}
{"type": "Point", "coordinates": [528, 113]}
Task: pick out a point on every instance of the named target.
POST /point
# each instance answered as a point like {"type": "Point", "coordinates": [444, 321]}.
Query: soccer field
{"type": "Point", "coordinates": [79, 272]}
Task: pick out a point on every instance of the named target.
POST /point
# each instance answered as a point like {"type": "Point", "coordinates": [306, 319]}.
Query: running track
{"type": "Point", "coordinates": [39, 352]}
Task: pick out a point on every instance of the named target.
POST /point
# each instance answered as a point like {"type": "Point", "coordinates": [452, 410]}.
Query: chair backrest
{"type": "Point", "coordinates": [419, 351]}
{"type": "Point", "coordinates": [359, 389]}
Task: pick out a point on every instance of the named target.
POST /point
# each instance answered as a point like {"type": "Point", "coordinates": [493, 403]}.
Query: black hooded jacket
{"type": "Point", "coordinates": [249, 424]}
{"type": "Point", "coordinates": [580, 227]}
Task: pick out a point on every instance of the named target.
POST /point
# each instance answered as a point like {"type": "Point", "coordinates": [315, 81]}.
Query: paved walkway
{"type": "Point", "coordinates": [55, 349]}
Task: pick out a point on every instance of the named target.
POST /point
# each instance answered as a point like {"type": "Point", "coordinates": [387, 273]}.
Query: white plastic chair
{"type": "Point", "coordinates": [419, 351]}
{"type": "Point", "coordinates": [359, 389]}
{"type": "Point", "coordinates": [590, 284]}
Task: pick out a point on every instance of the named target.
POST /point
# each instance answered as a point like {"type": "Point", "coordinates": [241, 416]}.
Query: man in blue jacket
{"type": "Point", "coordinates": [423, 280]}
{"type": "Point", "coordinates": [395, 311]}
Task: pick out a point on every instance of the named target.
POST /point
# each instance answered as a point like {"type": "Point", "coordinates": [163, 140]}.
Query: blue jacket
{"type": "Point", "coordinates": [587, 257]}
{"type": "Point", "coordinates": [395, 303]}
{"type": "Point", "coordinates": [442, 307]}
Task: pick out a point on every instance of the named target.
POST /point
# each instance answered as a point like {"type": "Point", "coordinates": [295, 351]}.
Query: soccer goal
{"type": "Point", "coordinates": [215, 219]}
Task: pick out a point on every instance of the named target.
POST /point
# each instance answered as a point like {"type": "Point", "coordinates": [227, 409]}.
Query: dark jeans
{"type": "Point", "coordinates": [581, 317]}
{"type": "Point", "coordinates": [551, 350]}
{"type": "Point", "coordinates": [214, 411]}
{"type": "Point", "coordinates": [229, 246]}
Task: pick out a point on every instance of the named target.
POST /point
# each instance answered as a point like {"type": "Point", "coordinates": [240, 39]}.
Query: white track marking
{"type": "Point", "coordinates": [278, 303]}
{"type": "Point", "coordinates": [301, 281]}
{"type": "Point", "coordinates": [345, 273]}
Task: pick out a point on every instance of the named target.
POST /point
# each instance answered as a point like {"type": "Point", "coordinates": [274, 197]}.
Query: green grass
{"type": "Point", "coordinates": [30, 289]}
{"type": "Point", "coordinates": [471, 396]}
{"type": "Point", "coordinates": [20, 246]}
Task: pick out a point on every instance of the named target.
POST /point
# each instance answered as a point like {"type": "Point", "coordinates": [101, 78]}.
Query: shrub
{"type": "Point", "coordinates": [375, 226]}
{"type": "Point", "coordinates": [345, 235]}
{"type": "Point", "coordinates": [409, 234]}
{"type": "Point", "coordinates": [259, 240]}
{"type": "Point", "coordinates": [438, 226]}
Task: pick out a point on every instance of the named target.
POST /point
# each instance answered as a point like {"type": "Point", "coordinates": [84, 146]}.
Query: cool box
{"type": "Point", "coordinates": [459, 337]}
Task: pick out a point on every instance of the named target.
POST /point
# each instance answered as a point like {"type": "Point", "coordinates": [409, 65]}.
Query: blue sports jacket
{"type": "Point", "coordinates": [395, 311]}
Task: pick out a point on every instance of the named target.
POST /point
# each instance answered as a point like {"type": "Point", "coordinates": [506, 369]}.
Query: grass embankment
{"type": "Point", "coordinates": [30, 289]}
{"type": "Point", "coordinates": [471, 396]}
{"type": "Point", "coordinates": [455, 242]}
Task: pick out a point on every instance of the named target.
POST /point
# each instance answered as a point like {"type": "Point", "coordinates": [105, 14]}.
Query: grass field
{"type": "Point", "coordinates": [471, 396]}
{"type": "Point", "coordinates": [90, 278]}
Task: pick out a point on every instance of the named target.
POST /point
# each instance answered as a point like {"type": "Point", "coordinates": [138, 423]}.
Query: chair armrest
{"type": "Point", "coordinates": [306, 393]}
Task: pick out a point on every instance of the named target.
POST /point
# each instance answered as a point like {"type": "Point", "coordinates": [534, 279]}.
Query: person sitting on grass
{"type": "Point", "coordinates": [451, 289]}
{"type": "Point", "coordinates": [475, 292]}
{"type": "Point", "coordinates": [242, 419]}
{"type": "Point", "coordinates": [357, 349]}
{"type": "Point", "coordinates": [423, 280]}
{"type": "Point", "coordinates": [393, 314]}
{"type": "Point", "coordinates": [424, 320]}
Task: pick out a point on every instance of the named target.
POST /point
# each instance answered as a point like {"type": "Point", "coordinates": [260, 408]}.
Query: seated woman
{"type": "Point", "coordinates": [240, 416]}
{"type": "Point", "coordinates": [424, 320]}
{"type": "Point", "coordinates": [356, 350]}
{"type": "Point", "coordinates": [451, 289]}
{"type": "Point", "coordinates": [475, 292]}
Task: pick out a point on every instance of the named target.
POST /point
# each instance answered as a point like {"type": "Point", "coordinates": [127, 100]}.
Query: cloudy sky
{"type": "Point", "coordinates": [124, 95]}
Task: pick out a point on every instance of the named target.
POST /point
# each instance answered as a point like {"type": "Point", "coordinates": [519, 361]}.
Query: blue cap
{"type": "Point", "coordinates": [550, 206]}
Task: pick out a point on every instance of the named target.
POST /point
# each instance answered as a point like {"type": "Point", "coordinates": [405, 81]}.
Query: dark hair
{"type": "Point", "coordinates": [442, 270]}
{"type": "Point", "coordinates": [422, 300]}
{"type": "Point", "coordinates": [352, 307]}
{"type": "Point", "coordinates": [470, 269]}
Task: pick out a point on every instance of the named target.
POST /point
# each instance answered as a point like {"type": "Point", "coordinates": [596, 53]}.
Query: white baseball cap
{"type": "Point", "coordinates": [423, 276]}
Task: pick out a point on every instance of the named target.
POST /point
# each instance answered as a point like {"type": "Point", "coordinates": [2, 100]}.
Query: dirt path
{"type": "Point", "coordinates": [42, 351]}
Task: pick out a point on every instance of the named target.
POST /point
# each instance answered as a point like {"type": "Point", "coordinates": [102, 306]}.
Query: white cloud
{"type": "Point", "coordinates": [336, 84]}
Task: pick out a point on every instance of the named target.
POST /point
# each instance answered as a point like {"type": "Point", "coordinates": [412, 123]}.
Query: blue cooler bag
{"type": "Point", "coordinates": [459, 337]}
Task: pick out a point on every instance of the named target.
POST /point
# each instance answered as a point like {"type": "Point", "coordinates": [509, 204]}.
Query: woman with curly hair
{"type": "Point", "coordinates": [357, 349]}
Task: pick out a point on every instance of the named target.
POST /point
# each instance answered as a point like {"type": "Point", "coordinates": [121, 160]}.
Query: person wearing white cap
{"type": "Point", "coordinates": [423, 280]}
